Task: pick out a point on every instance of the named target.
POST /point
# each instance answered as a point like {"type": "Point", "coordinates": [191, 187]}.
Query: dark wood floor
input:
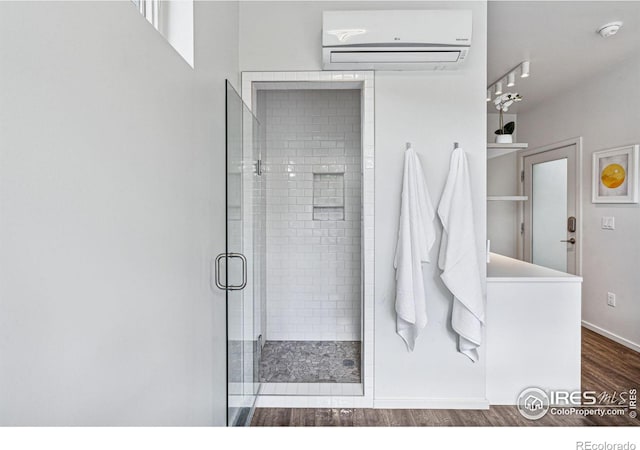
{"type": "Point", "coordinates": [606, 367]}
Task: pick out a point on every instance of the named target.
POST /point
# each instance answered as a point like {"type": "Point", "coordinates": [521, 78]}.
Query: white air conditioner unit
{"type": "Point", "coordinates": [395, 40]}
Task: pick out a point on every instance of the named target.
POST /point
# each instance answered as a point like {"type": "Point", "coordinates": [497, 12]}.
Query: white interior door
{"type": "Point", "coordinates": [551, 212]}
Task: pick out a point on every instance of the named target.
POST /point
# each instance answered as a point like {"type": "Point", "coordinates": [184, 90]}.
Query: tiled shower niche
{"type": "Point", "coordinates": [328, 196]}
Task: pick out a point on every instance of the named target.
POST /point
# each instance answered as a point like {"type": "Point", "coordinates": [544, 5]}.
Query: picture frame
{"type": "Point", "coordinates": [615, 175]}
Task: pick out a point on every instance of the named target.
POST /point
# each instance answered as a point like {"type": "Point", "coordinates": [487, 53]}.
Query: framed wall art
{"type": "Point", "coordinates": [615, 175]}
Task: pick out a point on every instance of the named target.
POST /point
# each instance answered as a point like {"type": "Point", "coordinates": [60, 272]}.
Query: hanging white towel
{"type": "Point", "coordinates": [459, 257]}
{"type": "Point", "coordinates": [416, 235]}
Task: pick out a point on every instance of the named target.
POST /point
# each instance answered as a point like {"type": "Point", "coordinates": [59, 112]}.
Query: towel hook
{"type": "Point", "coordinates": [455, 145]}
{"type": "Point", "coordinates": [408, 146]}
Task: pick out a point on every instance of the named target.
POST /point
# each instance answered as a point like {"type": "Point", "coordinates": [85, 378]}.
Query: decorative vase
{"type": "Point", "coordinates": [504, 138]}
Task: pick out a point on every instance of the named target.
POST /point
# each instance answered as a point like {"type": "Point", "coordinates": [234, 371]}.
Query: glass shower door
{"type": "Point", "coordinates": [240, 260]}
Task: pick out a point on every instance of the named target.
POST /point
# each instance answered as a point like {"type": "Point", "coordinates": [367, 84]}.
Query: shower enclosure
{"type": "Point", "coordinates": [293, 260]}
{"type": "Point", "coordinates": [241, 263]}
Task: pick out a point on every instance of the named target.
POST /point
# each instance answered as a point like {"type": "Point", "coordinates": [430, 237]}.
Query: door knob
{"type": "Point", "coordinates": [570, 241]}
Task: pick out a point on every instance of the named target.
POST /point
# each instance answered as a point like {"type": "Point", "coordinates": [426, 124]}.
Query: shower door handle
{"type": "Point", "coordinates": [232, 287]}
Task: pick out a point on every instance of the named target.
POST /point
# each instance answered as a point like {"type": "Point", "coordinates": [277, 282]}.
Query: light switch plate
{"type": "Point", "coordinates": [611, 299]}
{"type": "Point", "coordinates": [608, 223]}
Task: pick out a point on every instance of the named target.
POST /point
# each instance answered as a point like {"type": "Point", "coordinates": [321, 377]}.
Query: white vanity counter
{"type": "Point", "coordinates": [505, 269]}
{"type": "Point", "coordinates": [533, 329]}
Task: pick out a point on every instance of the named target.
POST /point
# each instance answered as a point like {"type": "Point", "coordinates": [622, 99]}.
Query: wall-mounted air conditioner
{"type": "Point", "coordinates": [395, 40]}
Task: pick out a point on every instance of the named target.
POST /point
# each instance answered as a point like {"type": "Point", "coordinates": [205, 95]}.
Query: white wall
{"type": "Point", "coordinates": [604, 111]}
{"type": "Point", "coordinates": [431, 110]}
{"type": "Point", "coordinates": [111, 189]}
{"type": "Point", "coordinates": [313, 257]}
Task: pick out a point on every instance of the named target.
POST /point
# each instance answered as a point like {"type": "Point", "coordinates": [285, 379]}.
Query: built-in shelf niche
{"type": "Point", "coordinates": [328, 196]}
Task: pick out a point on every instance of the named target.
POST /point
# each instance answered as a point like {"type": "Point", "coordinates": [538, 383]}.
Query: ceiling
{"type": "Point", "coordinates": [560, 40]}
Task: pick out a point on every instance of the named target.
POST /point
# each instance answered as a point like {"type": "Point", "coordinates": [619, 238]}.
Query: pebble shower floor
{"type": "Point", "coordinates": [310, 362]}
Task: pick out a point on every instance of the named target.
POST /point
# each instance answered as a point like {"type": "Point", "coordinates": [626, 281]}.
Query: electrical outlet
{"type": "Point", "coordinates": [608, 223]}
{"type": "Point", "coordinates": [611, 299]}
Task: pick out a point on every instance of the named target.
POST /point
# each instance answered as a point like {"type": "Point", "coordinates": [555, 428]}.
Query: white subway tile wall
{"type": "Point", "coordinates": [313, 170]}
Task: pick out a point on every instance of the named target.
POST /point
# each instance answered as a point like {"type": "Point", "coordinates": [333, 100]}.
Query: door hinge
{"type": "Point", "coordinates": [522, 176]}
{"type": "Point", "coordinates": [259, 167]}
{"type": "Point", "coordinates": [521, 227]}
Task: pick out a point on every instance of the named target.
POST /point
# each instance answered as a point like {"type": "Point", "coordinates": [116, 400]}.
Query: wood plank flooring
{"type": "Point", "coordinates": [606, 367]}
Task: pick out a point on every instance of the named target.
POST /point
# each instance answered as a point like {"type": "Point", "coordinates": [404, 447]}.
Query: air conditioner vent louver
{"type": "Point", "coordinates": [395, 40]}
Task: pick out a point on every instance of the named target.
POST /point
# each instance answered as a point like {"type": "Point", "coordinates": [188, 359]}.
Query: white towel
{"type": "Point", "coordinates": [459, 257]}
{"type": "Point", "coordinates": [416, 235]}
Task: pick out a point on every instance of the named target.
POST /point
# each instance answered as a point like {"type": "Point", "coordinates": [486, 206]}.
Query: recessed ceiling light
{"type": "Point", "coordinates": [609, 29]}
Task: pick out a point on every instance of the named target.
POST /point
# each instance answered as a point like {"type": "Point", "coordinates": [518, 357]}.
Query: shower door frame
{"type": "Point", "coordinates": [365, 81]}
{"type": "Point", "coordinates": [241, 149]}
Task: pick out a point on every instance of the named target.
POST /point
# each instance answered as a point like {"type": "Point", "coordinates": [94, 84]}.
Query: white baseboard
{"type": "Point", "coordinates": [431, 403]}
{"type": "Point", "coordinates": [614, 337]}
